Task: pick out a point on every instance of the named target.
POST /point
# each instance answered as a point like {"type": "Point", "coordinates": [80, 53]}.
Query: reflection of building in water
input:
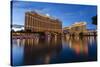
{"type": "Point", "coordinates": [34, 41]}
{"type": "Point", "coordinates": [78, 45]}
{"type": "Point", "coordinates": [18, 42]}
{"type": "Point", "coordinates": [92, 40]}
{"type": "Point", "coordinates": [42, 52]}
{"type": "Point", "coordinates": [36, 22]}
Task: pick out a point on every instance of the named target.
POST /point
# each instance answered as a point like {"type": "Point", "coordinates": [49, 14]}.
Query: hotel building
{"type": "Point", "coordinates": [36, 22]}
{"type": "Point", "coordinates": [76, 29]}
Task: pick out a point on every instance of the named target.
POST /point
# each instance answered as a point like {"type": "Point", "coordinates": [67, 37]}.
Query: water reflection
{"type": "Point", "coordinates": [51, 50]}
{"type": "Point", "coordinates": [40, 53]}
{"type": "Point", "coordinates": [79, 45]}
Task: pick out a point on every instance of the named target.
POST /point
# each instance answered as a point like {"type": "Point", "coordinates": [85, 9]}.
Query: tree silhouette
{"type": "Point", "coordinates": [94, 20]}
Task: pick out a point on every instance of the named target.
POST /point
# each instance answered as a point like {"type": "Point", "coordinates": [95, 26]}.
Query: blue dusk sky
{"type": "Point", "coordinates": [68, 14]}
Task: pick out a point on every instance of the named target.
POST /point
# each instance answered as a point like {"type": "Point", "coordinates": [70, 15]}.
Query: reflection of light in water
{"type": "Point", "coordinates": [91, 40]}
{"type": "Point", "coordinates": [31, 41]}
{"type": "Point", "coordinates": [36, 40]}
{"type": "Point", "coordinates": [18, 42]}
{"type": "Point", "coordinates": [81, 48]}
{"type": "Point", "coordinates": [88, 38]}
{"type": "Point", "coordinates": [48, 39]}
{"type": "Point", "coordinates": [70, 43]}
{"type": "Point", "coordinates": [55, 39]}
{"type": "Point", "coordinates": [86, 49]}
{"type": "Point", "coordinates": [63, 43]}
{"type": "Point", "coordinates": [77, 37]}
{"type": "Point", "coordinates": [77, 49]}
{"type": "Point", "coordinates": [67, 37]}
{"type": "Point", "coordinates": [77, 44]}
{"type": "Point", "coordinates": [14, 41]}
{"type": "Point", "coordinates": [23, 41]}
{"type": "Point", "coordinates": [47, 59]}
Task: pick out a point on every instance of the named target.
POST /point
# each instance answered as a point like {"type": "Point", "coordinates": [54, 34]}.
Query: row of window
{"type": "Point", "coordinates": [40, 23]}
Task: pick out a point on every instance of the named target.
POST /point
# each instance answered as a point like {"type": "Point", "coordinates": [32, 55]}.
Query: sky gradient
{"type": "Point", "coordinates": [68, 14]}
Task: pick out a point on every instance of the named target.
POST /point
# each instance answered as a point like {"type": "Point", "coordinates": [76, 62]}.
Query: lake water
{"type": "Point", "coordinates": [51, 51]}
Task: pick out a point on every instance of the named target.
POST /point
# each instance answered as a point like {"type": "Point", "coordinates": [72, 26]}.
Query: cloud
{"type": "Point", "coordinates": [18, 29]}
{"type": "Point", "coordinates": [44, 11]}
{"type": "Point", "coordinates": [47, 14]}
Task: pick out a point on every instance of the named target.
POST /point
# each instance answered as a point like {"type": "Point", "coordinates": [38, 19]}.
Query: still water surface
{"type": "Point", "coordinates": [64, 50]}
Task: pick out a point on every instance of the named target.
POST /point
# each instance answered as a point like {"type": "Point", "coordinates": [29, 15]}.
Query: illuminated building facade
{"type": "Point", "coordinates": [76, 28]}
{"type": "Point", "coordinates": [36, 22]}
